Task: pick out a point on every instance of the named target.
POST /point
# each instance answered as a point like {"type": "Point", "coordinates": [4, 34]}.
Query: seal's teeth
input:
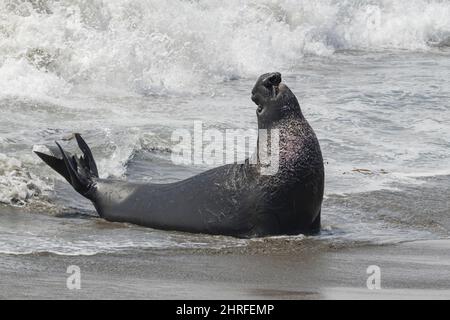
{"type": "Point", "coordinates": [275, 91]}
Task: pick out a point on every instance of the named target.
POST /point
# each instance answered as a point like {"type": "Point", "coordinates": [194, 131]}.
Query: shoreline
{"type": "Point", "coordinates": [413, 270]}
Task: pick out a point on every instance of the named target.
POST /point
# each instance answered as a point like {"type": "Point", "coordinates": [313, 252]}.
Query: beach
{"type": "Point", "coordinates": [416, 270]}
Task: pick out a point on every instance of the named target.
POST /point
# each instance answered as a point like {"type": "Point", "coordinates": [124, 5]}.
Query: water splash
{"type": "Point", "coordinates": [48, 47]}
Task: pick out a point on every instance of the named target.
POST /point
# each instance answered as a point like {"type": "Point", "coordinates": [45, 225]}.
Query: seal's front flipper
{"type": "Point", "coordinates": [316, 225]}
{"type": "Point", "coordinates": [80, 172]}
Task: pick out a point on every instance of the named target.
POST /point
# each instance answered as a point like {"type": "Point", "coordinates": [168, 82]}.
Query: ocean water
{"type": "Point", "coordinates": [372, 78]}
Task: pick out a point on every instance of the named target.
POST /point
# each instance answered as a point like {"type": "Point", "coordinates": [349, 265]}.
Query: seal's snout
{"type": "Point", "coordinates": [266, 88]}
{"type": "Point", "coordinates": [274, 100]}
{"type": "Point", "coordinates": [273, 79]}
{"type": "Point", "coordinates": [272, 82]}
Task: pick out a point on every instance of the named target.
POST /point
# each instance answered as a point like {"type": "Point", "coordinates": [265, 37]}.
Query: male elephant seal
{"type": "Point", "coordinates": [234, 199]}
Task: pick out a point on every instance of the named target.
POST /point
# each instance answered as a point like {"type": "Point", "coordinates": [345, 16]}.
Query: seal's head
{"type": "Point", "coordinates": [274, 99]}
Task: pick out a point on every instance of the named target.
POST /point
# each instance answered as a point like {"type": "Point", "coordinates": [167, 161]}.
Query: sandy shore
{"type": "Point", "coordinates": [408, 271]}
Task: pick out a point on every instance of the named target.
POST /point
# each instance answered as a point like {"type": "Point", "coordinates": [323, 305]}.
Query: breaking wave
{"type": "Point", "coordinates": [48, 48]}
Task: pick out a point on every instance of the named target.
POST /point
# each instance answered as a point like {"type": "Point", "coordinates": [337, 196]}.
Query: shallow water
{"type": "Point", "coordinates": [372, 78]}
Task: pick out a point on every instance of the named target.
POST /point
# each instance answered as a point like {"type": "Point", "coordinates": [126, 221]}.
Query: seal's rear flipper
{"type": "Point", "coordinates": [80, 172]}
{"type": "Point", "coordinates": [88, 159]}
{"type": "Point", "coordinates": [55, 163]}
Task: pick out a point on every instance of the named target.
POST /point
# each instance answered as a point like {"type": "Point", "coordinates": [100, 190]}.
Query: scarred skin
{"type": "Point", "coordinates": [235, 199]}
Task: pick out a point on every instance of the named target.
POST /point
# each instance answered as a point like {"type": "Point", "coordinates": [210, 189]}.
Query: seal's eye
{"type": "Point", "coordinates": [260, 108]}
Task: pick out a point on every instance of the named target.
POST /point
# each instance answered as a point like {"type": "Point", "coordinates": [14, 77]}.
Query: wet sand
{"type": "Point", "coordinates": [415, 270]}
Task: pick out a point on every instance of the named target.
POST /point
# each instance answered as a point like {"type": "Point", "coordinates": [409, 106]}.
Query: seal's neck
{"type": "Point", "coordinates": [288, 112]}
{"type": "Point", "coordinates": [280, 143]}
{"type": "Point", "coordinates": [286, 120]}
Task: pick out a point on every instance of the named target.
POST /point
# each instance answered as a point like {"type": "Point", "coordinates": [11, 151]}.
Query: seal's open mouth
{"type": "Point", "coordinates": [273, 83]}
{"type": "Point", "coordinates": [267, 87]}
{"type": "Point", "coordinates": [275, 90]}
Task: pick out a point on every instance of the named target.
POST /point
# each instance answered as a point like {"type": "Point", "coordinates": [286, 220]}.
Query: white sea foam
{"type": "Point", "coordinates": [149, 46]}
{"type": "Point", "coordinates": [17, 184]}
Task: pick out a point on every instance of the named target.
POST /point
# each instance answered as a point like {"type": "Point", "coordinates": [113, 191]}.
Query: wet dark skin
{"type": "Point", "coordinates": [235, 199]}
